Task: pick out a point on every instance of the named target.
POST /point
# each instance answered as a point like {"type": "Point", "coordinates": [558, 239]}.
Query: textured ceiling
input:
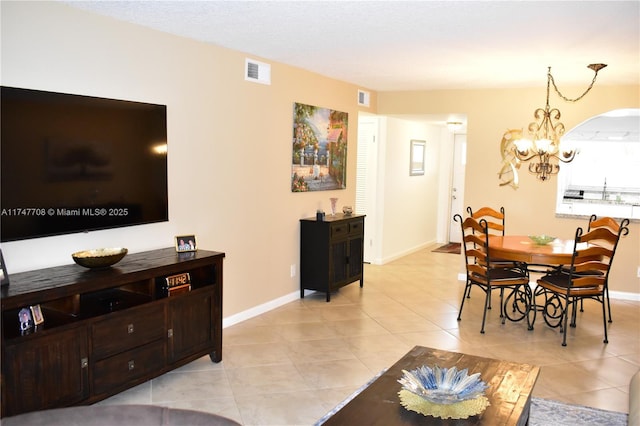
{"type": "Point", "coordinates": [398, 45]}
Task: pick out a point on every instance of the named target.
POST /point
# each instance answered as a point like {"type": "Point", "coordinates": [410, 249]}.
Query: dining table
{"type": "Point", "coordinates": [521, 248]}
{"type": "Point", "coordinates": [541, 258]}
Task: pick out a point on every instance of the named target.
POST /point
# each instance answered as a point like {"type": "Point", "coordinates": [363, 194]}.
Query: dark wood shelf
{"type": "Point", "coordinates": [106, 330]}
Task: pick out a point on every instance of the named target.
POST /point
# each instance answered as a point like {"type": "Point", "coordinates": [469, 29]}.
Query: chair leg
{"type": "Point", "coordinates": [467, 290]}
{"type": "Point", "coordinates": [608, 303]}
{"type": "Point", "coordinates": [566, 320]}
{"type": "Point", "coordinates": [487, 303]}
{"type": "Point", "coordinates": [604, 320]}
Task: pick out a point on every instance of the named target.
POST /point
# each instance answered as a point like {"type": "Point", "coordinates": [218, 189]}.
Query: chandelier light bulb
{"type": "Point", "coordinates": [543, 146]}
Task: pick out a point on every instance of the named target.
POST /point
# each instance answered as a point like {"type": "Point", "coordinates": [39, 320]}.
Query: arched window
{"type": "Point", "coordinates": [604, 178]}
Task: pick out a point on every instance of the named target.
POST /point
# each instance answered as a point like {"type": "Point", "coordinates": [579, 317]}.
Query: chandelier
{"type": "Point", "coordinates": [543, 149]}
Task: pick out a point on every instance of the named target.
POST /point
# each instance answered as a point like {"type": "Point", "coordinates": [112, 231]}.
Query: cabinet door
{"type": "Point", "coordinates": [45, 372]}
{"type": "Point", "coordinates": [356, 249]}
{"type": "Point", "coordinates": [191, 330]}
{"type": "Point", "coordinates": [339, 268]}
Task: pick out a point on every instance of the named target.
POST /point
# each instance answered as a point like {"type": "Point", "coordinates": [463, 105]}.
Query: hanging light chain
{"type": "Point", "coordinates": [594, 67]}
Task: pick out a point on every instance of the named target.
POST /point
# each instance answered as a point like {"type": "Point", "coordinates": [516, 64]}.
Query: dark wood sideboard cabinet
{"type": "Point", "coordinates": [331, 252]}
{"type": "Point", "coordinates": [106, 330]}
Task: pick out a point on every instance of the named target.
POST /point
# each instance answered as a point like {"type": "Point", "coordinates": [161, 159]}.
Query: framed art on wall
{"type": "Point", "coordinates": [319, 151]}
{"type": "Point", "coordinates": [416, 165]}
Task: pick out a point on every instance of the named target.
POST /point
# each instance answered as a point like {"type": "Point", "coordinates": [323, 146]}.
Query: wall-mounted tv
{"type": "Point", "coordinates": [72, 163]}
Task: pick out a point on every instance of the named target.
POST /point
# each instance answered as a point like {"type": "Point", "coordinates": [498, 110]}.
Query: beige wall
{"type": "Point", "coordinates": [229, 140]}
{"type": "Point", "coordinates": [531, 208]}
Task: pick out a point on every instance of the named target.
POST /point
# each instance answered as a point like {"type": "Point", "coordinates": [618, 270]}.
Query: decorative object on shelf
{"type": "Point", "coordinates": [443, 392]}
{"type": "Point", "coordinates": [319, 149]}
{"type": "Point", "coordinates": [4, 276]}
{"type": "Point", "coordinates": [319, 215]}
{"type": "Point", "coordinates": [417, 154]}
{"type": "Point", "coordinates": [99, 258]}
{"type": "Point", "coordinates": [176, 284]}
{"type": "Point", "coordinates": [36, 314]}
{"type": "Point", "coordinates": [347, 210]}
{"type": "Point", "coordinates": [186, 243]}
{"type": "Point", "coordinates": [334, 202]}
{"type": "Point", "coordinates": [26, 322]}
{"type": "Point", "coordinates": [541, 240]}
{"type": "Point", "coordinates": [544, 151]}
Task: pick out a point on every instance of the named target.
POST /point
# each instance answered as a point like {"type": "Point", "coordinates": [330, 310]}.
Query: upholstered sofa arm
{"type": "Point", "coordinates": [634, 400]}
{"type": "Point", "coordinates": [110, 415]}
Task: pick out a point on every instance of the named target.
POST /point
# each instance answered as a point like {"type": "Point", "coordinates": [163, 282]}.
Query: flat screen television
{"type": "Point", "coordinates": [72, 163]}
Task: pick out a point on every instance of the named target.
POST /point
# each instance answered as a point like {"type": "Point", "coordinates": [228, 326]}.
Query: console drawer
{"type": "Point", "coordinates": [120, 369]}
{"type": "Point", "coordinates": [129, 329]}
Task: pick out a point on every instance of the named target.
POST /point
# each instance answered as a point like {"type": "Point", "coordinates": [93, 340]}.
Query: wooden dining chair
{"type": "Point", "coordinates": [475, 249]}
{"type": "Point", "coordinates": [615, 227]}
{"type": "Point", "coordinates": [586, 278]}
{"type": "Point", "coordinates": [495, 224]}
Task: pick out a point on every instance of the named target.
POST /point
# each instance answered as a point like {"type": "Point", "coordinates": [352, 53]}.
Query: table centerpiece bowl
{"type": "Point", "coordinates": [99, 258]}
{"type": "Point", "coordinates": [541, 240]}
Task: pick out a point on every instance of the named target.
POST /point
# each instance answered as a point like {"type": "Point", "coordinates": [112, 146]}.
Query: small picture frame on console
{"type": "Point", "coordinates": [4, 276]}
{"type": "Point", "coordinates": [185, 243]}
{"type": "Point", "coordinates": [36, 314]}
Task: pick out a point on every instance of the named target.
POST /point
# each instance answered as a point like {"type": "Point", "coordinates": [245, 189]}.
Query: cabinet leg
{"type": "Point", "coordinates": [215, 356]}
{"type": "Point", "coordinates": [361, 282]}
{"type": "Point", "coordinates": [302, 293]}
{"type": "Point", "coordinates": [328, 296]}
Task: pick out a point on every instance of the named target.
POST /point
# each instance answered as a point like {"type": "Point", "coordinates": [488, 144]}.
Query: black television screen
{"type": "Point", "coordinates": [72, 163]}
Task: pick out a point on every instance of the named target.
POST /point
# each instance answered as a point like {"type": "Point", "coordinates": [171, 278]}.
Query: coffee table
{"type": "Point", "coordinates": [509, 391]}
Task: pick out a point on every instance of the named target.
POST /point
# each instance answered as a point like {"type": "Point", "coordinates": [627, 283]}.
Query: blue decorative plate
{"type": "Point", "coordinates": [442, 385]}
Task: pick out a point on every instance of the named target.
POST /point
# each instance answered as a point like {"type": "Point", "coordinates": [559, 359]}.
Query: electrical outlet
{"type": "Point", "coordinates": [638, 271]}
{"type": "Point", "coordinates": [293, 270]}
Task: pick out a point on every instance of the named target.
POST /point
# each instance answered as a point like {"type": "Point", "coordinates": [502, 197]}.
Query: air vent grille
{"type": "Point", "coordinates": [258, 72]}
{"type": "Point", "coordinates": [363, 98]}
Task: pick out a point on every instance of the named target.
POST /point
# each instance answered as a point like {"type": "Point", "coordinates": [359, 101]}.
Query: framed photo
{"type": "Point", "coordinates": [416, 165]}
{"type": "Point", "coordinates": [36, 314]}
{"type": "Point", "coordinates": [185, 243]}
{"type": "Point", "coordinates": [24, 316]}
{"type": "Point", "coordinates": [4, 276]}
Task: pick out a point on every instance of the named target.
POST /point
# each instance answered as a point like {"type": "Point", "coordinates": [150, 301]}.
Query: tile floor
{"type": "Point", "coordinates": [291, 365]}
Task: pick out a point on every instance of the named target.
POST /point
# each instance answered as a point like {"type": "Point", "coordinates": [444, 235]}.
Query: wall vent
{"type": "Point", "coordinates": [258, 72]}
{"type": "Point", "coordinates": [363, 98]}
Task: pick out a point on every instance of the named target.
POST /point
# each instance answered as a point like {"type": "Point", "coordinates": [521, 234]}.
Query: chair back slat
{"type": "Point", "coordinates": [495, 219]}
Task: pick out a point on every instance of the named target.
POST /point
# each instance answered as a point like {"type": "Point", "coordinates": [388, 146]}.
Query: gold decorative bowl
{"type": "Point", "coordinates": [99, 258]}
{"type": "Point", "coordinates": [541, 240]}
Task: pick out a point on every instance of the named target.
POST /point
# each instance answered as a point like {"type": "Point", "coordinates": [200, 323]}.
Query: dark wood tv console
{"type": "Point", "coordinates": [106, 330]}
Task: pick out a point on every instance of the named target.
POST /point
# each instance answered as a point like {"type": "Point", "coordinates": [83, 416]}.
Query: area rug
{"type": "Point", "coordinates": [544, 412]}
{"type": "Point", "coordinates": [448, 248]}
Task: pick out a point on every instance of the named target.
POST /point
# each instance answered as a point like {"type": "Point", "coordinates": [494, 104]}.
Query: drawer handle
{"type": "Point", "coordinates": [84, 363]}
{"type": "Point", "coordinates": [130, 329]}
{"type": "Point", "coordinates": [170, 333]}
{"type": "Point", "coordinates": [132, 365]}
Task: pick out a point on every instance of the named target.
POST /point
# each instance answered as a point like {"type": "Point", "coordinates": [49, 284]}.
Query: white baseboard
{"type": "Point", "coordinates": [260, 309]}
{"type": "Point", "coordinates": [396, 256]}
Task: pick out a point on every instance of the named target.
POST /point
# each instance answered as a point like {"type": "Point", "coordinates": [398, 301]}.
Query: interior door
{"type": "Point", "coordinates": [366, 183]}
{"type": "Point", "coordinates": [457, 186]}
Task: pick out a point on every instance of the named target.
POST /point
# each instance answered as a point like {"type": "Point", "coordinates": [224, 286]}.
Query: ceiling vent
{"type": "Point", "coordinates": [258, 72]}
{"type": "Point", "coordinates": [363, 98]}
